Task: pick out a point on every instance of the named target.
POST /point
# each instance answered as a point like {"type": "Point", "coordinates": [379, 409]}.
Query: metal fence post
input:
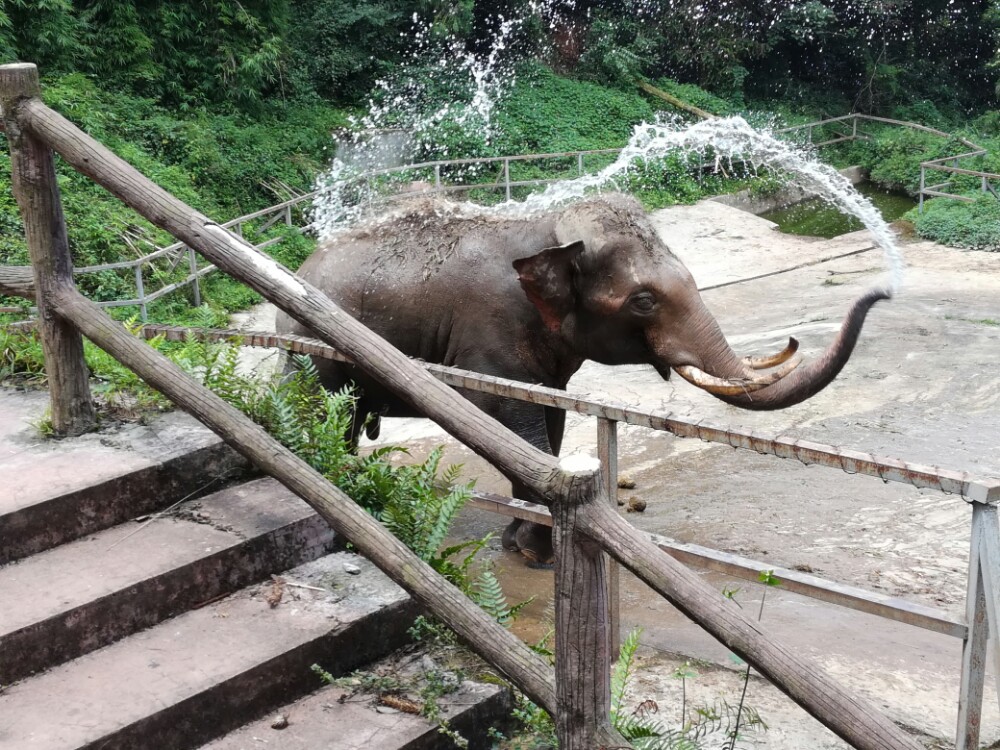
{"type": "Point", "coordinates": [140, 292]}
{"type": "Point", "coordinates": [506, 176]}
{"type": "Point", "coordinates": [607, 452]}
{"type": "Point", "coordinates": [195, 282]}
{"type": "Point", "coordinates": [854, 130]}
{"type": "Point", "coordinates": [33, 178]}
{"type": "Point", "coordinates": [579, 163]}
{"type": "Point", "coordinates": [437, 177]}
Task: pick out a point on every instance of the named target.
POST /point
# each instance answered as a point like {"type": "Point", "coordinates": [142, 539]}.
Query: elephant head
{"type": "Point", "coordinates": [617, 295]}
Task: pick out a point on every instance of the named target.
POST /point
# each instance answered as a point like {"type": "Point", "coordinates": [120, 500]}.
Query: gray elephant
{"type": "Point", "coordinates": [531, 299]}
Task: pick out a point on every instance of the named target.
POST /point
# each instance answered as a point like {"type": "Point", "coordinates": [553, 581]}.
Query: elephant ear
{"type": "Point", "coordinates": [547, 279]}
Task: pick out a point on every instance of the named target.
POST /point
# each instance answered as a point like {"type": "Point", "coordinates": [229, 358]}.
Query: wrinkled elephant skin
{"type": "Point", "coordinates": [531, 299]}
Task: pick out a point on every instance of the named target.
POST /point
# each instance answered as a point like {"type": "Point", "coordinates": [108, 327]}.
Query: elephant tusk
{"type": "Point", "coordinates": [764, 363]}
{"type": "Point", "coordinates": [734, 386]}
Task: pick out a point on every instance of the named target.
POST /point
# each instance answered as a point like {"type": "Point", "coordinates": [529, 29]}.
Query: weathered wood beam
{"type": "Point", "coordinates": [483, 634]}
{"type": "Point", "coordinates": [583, 637]}
{"type": "Point", "coordinates": [17, 281]}
{"type": "Point", "coordinates": [851, 717]}
{"type": "Point", "coordinates": [970, 487]}
{"type": "Point", "coordinates": [37, 193]}
{"type": "Point", "coordinates": [673, 100]}
{"type": "Point", "coordinates": [512, 455]}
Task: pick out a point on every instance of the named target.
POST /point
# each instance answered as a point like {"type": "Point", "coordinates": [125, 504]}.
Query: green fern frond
{"type": "Point", "coordinates": [621, 673]}
{"type": "Point", "coordinates": [490, 597]}
{"type": "Point", "coordinates": [444, 515]}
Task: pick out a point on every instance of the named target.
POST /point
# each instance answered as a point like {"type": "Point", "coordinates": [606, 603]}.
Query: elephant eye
{"type": "Point", "coordinates": [642, 302]}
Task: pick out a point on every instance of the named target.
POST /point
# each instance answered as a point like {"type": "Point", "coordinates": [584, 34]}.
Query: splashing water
{"type": "Point", "coordinates": [726, 140]}
{"type": "Point", "coordinates": [347, 195]}
{"type": "Point", "coordinates": [344, 196]}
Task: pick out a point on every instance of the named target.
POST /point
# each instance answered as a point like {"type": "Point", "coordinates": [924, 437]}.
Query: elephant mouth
{"type": "Point", "coordinates": [752, 379]}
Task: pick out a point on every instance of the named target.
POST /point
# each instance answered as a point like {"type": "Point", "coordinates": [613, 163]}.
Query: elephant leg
{"type": "Point", "coordinates": [533, 540]}
{"type": "Point", "coordinates": [543, 428]}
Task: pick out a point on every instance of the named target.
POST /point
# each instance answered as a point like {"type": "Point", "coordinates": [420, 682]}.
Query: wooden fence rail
{"type": "Point", "coordinates": [585, 524]}
{"type": "Point", "coordinates": [284, 211]}
{"type": "Point", "coordinates": [931, 165]}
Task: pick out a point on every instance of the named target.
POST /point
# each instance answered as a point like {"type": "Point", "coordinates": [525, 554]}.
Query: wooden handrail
{"type": "Point", "coordinates": [970, 487]}
{"type": "Point", "coordinates": [514, 457]}
{"type": "Point", "coordinates": [585, 522]}
{"type": "Point", "coordinates": [495, 643]}
{"type": "Point", "coordinates": [858, 721]}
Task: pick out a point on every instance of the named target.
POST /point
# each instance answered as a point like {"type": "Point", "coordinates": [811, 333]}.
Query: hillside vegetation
{"type": "Point", "coordinates": [231, 104]}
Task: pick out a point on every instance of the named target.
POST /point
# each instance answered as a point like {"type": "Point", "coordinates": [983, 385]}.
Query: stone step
{"type": "Point", "coordinates": [323, 720]}
{"type": "Point", "coordinates": [86, 594]}
{"type": "Point", "coordinates": [206, 672]}
{"type": "Point", "coordinates": [55, 491]}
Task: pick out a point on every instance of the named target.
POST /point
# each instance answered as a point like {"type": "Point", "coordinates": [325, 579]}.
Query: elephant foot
{"type": "Point", "coordinates": [532, 540]}
{"type": "Point", "coordinates": [509, 538]}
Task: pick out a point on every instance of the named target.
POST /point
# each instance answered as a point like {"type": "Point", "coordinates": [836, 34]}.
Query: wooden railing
{"type": "Point", "coordinates": [945, 164]}
{"type": "Point", "coordinates": [586, 528]}
{"type": "Point", "coordinates": [179, 254]}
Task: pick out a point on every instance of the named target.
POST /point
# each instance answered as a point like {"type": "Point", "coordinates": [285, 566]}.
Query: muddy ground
{"type": "Point", "coordinates": [922, 385]}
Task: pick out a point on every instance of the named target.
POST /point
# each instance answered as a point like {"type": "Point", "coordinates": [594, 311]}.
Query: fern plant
{"type": "Point", "coordinates": [647, 733]}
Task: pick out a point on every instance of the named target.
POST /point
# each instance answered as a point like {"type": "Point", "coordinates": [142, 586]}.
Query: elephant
{"type": "Point", "coordinates": [531, 299]}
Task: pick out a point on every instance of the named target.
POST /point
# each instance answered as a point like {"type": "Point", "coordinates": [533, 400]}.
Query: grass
{"type": "Point", "coordinates": [991, 322]}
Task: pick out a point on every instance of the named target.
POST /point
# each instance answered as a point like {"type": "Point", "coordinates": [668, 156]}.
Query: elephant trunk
{"type": "Point", "coordinates": [736, 381]}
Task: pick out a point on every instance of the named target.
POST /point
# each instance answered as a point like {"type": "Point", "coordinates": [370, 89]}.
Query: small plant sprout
{"type": "Point", "coordinates": [768, 579]}
{"type": "Point", "coordinates": [683, 673]}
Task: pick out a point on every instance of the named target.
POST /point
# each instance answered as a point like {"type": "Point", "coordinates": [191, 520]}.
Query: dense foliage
{"type": "Point", "coordinates": [874, 55]}
{"type": "Point", "coordinates": [228, 103]}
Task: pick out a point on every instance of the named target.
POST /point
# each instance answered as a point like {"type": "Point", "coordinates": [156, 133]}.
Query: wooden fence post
{"type": "Point", "coordinates": [989, 563]}
{"type": "Point", "coordinates": [37, 193]}
{"type": "Point", "coordinates": [923, 183]}
{"type": "Point", "coordinates": [140, 291]}
{"type": "Point", "coordinates": [193, 270]}
{"type": "Point", "coordinates": [970, 697]}
{"type": "Point", "coordinates": [607, 453]}
{"type": "Point", "coordinates": [583, 648]}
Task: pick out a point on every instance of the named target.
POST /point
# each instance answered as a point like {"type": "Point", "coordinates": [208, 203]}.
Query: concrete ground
{"type": "Point", "coordinates": [923, 385]}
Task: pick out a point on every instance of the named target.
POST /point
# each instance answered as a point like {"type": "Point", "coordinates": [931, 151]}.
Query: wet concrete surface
{"type": "Point", "coordinates": [922, 386]}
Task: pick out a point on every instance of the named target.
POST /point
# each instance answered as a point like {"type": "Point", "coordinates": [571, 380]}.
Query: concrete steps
{"type": "Point", "coordinates": [145, 604]}
{"type": "Point", "coordinates": [204, 672]}
{"type": "Point", "coordinates": [56, 491]}
{"type": "Point", "coordinates": [326, 720]}
{"type": "Point", "coordinates": [86, 594]}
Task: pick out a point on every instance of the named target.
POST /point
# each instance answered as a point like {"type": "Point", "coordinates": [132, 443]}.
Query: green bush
{"type": "Point", "coordinates": [224, 165]}
{"type": "Point", "coordinates": [894, 154]}
{"type": "Point", "coordinates": [700, 98]}
{"type": "Point", "coordinates": [957, 224]}
{"type": "Point", "coordinates": [545, 112]}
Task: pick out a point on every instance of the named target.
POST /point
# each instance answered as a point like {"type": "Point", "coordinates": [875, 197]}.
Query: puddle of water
{"type": "Point", "coordinates": [817, 218]}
